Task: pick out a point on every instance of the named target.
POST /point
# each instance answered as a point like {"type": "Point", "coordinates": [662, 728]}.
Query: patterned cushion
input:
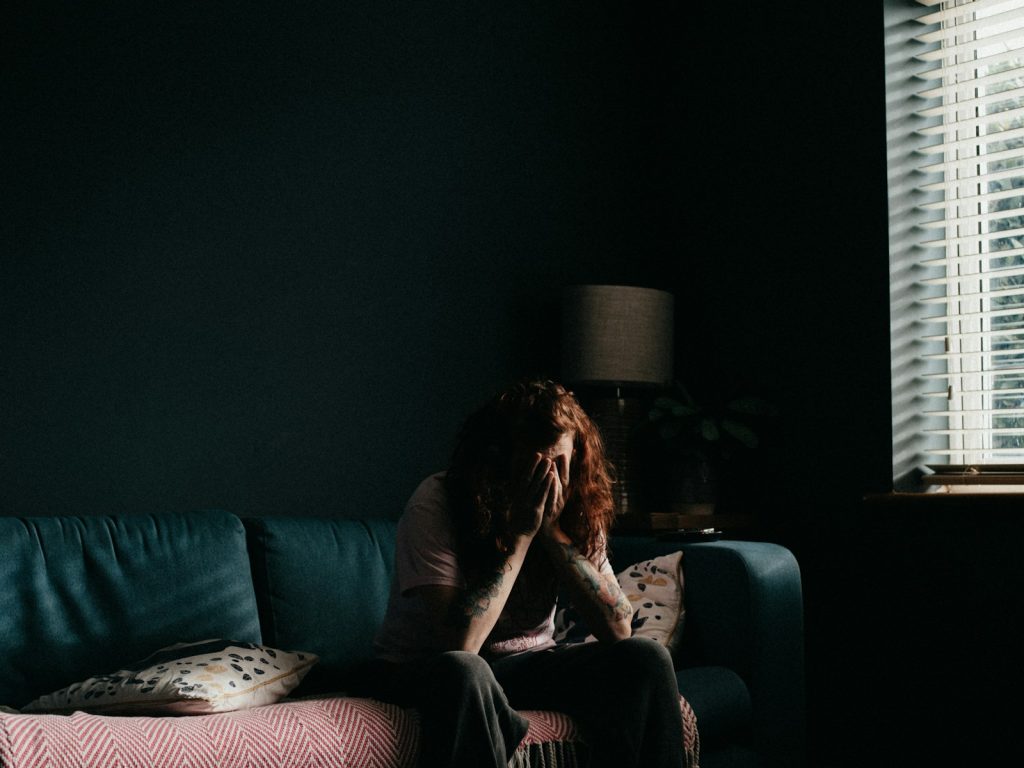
{"type": "Point", "coordinates": [186, 678]}
{"type": "Point", "coordinates": [655, 590]}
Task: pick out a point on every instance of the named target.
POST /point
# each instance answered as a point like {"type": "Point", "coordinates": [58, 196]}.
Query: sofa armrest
{"type": "Point", "coordinates": [744, 611]}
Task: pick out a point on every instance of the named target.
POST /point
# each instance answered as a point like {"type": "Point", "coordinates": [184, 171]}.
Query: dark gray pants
{"type": "Point", "coordinates": [622, 695]}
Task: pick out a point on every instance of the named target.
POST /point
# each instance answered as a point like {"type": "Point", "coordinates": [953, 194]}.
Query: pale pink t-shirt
{"type": "Point", "coordinates": [425, 555]}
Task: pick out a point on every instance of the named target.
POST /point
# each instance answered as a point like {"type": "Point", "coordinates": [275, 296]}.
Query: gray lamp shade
{"type": "Point", "coordinates": [616, 334]}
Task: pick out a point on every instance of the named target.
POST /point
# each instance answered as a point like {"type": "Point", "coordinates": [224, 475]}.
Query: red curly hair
{"type": "Point", "coordinates": [531, 414]}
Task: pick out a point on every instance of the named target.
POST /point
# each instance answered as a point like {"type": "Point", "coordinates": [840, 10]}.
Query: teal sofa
{"type": "Point", "coordinates": [82, 595]}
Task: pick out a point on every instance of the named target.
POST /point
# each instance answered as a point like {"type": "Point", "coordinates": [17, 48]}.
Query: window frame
{"type": "Point", "coordinates": [954, 363]}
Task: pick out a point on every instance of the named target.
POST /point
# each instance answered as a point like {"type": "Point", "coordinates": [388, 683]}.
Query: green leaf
{"type": "Point", "coordinates": [683, 410]}
{"type": "Point", "coordinates": [656, 414]}
{"type": "Point", "coordinates": [668, 430]}
{"type": "Point", "coordinates": [709, 430]}
{"type": "Point", "coordinates": [666, 403]}
{"type": "Point", "coordinates": [753, 406]}
{"type": "Point", "coordinates": [684, 392]}
{"type": "Point", "coordinates": [741, 432]}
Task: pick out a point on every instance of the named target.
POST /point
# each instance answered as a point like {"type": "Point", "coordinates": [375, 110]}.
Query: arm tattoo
{"type": "Point", "coordinates": [615, 602]}
{"type": "Point", "coordinates": [477, 600]}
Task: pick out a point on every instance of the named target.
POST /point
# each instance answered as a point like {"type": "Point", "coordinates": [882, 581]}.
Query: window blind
{"type": "Point", "coordinates": [963, 133]}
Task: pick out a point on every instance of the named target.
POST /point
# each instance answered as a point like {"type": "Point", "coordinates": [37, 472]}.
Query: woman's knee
{"type": "Point", "coordinates": [461, 671]}
{"type": "Point", "coordinates": [642, 653]}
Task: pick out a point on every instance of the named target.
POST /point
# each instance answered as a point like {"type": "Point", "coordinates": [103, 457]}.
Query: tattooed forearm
{"type": "Point", "coordinates": [476, 600]}
{"type": "Point", "coordinates": [606, 591]}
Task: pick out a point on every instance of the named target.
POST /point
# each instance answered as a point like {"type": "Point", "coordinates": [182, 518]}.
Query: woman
{"type": "Point", "coordinates": [482, 552]}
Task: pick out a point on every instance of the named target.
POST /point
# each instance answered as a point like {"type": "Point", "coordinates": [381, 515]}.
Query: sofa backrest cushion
{"type": "Point", "coordinates": [322, 586]}
{"type": "Point", "coordinates": [81, 596]}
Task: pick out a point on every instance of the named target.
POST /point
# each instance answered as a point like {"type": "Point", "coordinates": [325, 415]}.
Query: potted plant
{"type": "Point", "coordinates": [687, 445]}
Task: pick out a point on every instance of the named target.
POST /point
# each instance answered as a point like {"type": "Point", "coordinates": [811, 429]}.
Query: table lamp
{"type": "Point", "coordinates": [617, 340]}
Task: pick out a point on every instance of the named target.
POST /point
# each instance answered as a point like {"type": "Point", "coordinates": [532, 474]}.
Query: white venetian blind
{"type": "Point", "coordinates": [970, 224]}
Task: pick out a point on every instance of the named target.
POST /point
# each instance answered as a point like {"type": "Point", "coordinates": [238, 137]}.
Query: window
{"type": "Point", "coordinates": [955, 139]}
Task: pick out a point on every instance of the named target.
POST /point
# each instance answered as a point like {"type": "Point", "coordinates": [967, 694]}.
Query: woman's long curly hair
{"type": "Point", "coordinates": [531, 415]}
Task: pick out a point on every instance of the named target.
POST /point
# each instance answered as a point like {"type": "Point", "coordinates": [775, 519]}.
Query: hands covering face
{"type": "Point", "coordinates": [539, 489]}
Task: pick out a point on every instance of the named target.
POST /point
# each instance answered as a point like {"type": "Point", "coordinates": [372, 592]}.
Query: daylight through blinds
{"type": "Point", "coordinates": [971, 197]}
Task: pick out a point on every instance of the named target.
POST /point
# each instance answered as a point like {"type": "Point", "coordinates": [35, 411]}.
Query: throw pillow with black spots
{"type": "Point", "coordinates": [187, 678]}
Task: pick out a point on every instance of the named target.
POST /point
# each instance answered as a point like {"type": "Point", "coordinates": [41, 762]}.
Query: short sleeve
{"type": "Point", "coordinates": [425, 544]}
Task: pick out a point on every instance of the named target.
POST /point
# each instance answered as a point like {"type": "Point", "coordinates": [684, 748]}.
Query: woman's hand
{"type": "Point", "coordinates": [553, 505]}
{"type": "Point", "coordinates": [537, 498]}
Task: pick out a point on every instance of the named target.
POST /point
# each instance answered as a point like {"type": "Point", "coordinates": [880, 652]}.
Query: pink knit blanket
{"type": "Point", "coordinates": [336, 731]}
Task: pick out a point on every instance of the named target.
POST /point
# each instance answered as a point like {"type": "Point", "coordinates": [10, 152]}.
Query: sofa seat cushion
{"type": "Point", "coordinates": [290, 734]}
{"type": "Point", "coordinates": [721, 701]}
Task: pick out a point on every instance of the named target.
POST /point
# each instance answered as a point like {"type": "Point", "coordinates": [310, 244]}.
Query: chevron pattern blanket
{"type": "Point", "coordinates": [306, 733]}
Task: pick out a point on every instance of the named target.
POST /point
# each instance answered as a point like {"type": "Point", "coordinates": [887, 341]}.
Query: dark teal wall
{"type": "Point", "coordinates": [785, 288]}
{"type": "Point", "coordinates": [265, 256]}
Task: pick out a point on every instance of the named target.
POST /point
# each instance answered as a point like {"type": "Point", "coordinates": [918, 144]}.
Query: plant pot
{"type": "Point", "coordinates": [687, 508]}
{"type": "Point", "coordinates": [694, 488]}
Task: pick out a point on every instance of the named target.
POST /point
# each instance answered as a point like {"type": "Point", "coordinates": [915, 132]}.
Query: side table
{"type": "Point", "coordinates": [669, 522]}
